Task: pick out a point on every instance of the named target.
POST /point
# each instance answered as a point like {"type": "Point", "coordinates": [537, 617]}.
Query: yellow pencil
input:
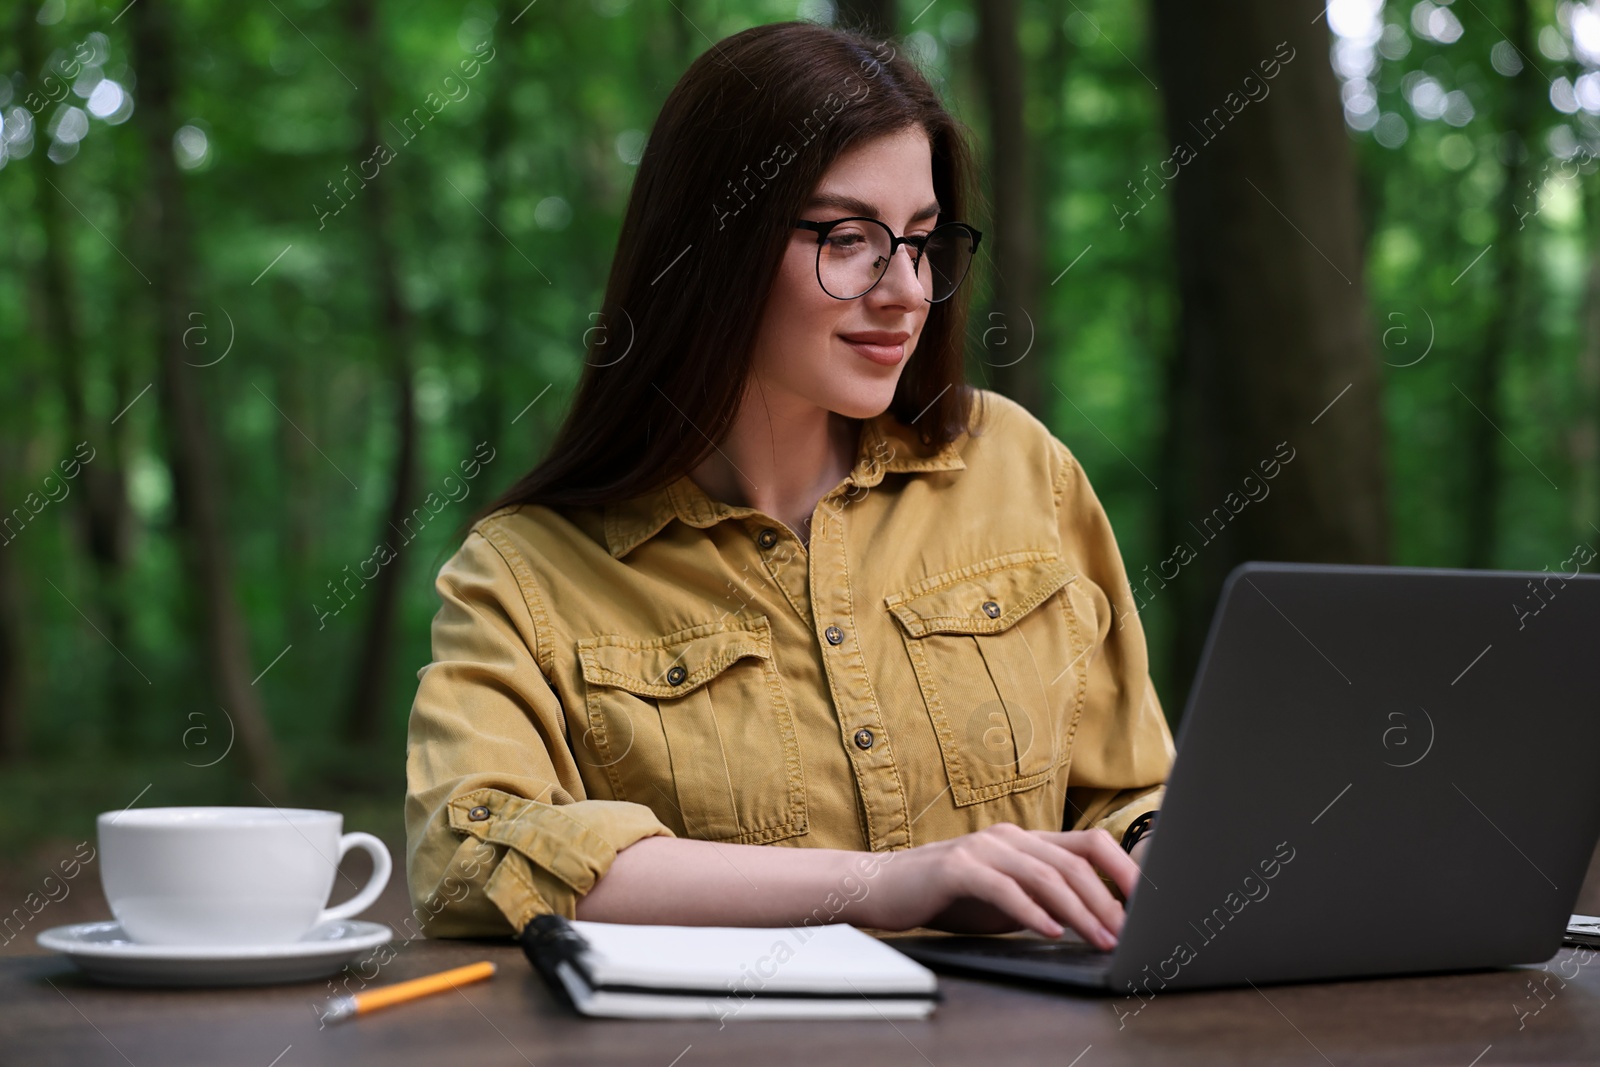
{"type": "Point", "coordinates": [341, 1008]}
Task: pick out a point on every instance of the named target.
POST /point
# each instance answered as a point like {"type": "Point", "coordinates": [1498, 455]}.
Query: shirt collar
{"type": "Point", "coordinates": [887, 446]}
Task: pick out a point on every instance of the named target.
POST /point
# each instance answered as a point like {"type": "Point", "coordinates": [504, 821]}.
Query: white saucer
{"type": "Point", "coordinates": [104, 952]}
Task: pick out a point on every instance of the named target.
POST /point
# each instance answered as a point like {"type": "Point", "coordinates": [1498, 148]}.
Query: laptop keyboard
{"type": "Point", "coordinates": [1017, 948]}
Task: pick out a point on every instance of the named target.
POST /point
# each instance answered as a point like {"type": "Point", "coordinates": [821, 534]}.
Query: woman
{"type": "Point", "coordinates": [783, 578]}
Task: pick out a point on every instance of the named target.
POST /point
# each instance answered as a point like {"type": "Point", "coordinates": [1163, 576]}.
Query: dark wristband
{"type": "Point", "coordinates": [1141, 826]}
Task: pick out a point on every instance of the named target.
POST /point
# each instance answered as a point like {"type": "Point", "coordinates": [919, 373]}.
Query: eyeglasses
{"type": "Point", "coordinates": [853, 255]}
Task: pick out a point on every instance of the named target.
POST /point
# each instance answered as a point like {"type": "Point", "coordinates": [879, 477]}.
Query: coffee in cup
{"type": "Point", "coordinates": [229, 875]}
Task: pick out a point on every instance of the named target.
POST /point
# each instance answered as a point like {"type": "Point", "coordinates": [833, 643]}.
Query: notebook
{"type": "Point", "coordinates": [621, 970]}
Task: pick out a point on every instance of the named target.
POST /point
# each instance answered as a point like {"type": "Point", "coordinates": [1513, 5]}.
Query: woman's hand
{"type": "Point", "coordinates": [1004, 878]}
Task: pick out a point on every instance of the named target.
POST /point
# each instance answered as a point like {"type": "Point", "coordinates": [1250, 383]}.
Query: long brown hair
{"type": "Point", "coordinates": [742, 140]}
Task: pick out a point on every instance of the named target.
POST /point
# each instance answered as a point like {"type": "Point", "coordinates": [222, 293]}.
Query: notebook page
{"type": "Point", "coordinates": [836, 958]}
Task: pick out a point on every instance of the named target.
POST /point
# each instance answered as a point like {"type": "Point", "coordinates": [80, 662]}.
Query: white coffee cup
{"type": "Point", "coordinates": [229, 876]}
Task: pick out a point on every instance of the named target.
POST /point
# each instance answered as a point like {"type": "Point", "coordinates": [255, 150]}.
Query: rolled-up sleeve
{"type": "Point", "coordinates": [498, 826]}
{"type": "Point", "coordinates": [1122, 750]}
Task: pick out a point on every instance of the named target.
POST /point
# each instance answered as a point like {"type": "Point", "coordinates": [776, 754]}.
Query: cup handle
{"type": "Point", "coordinates": [382, 866]}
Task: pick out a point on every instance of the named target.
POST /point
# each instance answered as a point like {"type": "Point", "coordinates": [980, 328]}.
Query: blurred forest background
{"type": "Point", "coordinates": [1368, 232]}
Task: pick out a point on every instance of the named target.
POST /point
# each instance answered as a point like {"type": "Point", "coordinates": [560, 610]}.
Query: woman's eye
{"type": "Point", "coordinates": [846, 240]}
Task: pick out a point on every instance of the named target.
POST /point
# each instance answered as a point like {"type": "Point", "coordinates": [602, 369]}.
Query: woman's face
{"type": "Point", "coordinates": [803, 356]}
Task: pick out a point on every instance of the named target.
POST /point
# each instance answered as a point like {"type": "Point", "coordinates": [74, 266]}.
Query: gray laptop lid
{"type": "Point", "coordinates": [1382, 770]}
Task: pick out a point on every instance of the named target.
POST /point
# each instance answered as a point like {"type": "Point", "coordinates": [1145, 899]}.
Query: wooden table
{"type": "Point", "coordinates": [49, 1014]}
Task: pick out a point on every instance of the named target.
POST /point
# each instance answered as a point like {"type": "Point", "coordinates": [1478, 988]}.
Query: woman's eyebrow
{"type": "Point", "coordinates": [861, 207]}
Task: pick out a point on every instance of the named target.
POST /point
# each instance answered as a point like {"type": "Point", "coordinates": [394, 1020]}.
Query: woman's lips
{"type": "Point", "coordinates": [887, 355]}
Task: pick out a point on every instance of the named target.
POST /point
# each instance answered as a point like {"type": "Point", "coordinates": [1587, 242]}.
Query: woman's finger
{"type": "Point", "coordinates": [1076, 876]}
{"type": "Point", "coordinates": [1065, 895]}
{"type": "Point", "coordinates": [1100, 849]}
{"type": "Point", "coordinates": [999, 889]}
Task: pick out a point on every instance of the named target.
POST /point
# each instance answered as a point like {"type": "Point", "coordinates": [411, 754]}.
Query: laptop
{"type": "Point", "coordinates": [1380, 771]}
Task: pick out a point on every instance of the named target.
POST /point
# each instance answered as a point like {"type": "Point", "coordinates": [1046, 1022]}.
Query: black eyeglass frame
{"type": "Point", "coordinates": [916, 244]}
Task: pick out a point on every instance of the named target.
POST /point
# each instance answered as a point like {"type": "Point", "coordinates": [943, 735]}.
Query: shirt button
{"type": "Point", "coordinates": [991, 609]}
{"type": "Point", "coordinates": [834, 635]}
{"type": "Point", "coordinates": [767, 537]}
{"type": "Point", "coordinates": [676, 675]}
{"type": "Point", "coordinates": [863, 738]}
{"type": "Point", "coordinates": [478, 814]}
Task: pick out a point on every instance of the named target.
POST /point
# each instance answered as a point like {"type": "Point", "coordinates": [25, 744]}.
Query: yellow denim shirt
{"type": "Point", "coordinates": [955, 647]}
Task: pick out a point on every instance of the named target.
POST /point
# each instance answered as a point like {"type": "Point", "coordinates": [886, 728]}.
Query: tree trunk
{"type": "Point", "coordinates": [499, 296]}
{"type": "Point", "coordinates": [120, 529]}
{"type": "Point", "coordinates": [301, 503]}
{"type": "Point", "coordinates": [370, 689]}
{"type": "Point", "coordinates": [1050, 167]}
{"type": "Point", "coordinates": [876, 18]}
{"type": "Point", "coordinates": [100, 506]}
{"type": "Point", "coordinates": [1484, 426]}
{"type": "Point", "coordinates": [686, 42]}
{"type": "Point", "coordinates": [1588, 517]}
{"type": "Point", "coordinates": [1014, 370]}
{"type": "Point", "coordinates": [191, 445]}
{"type": "Point", "coordinates": [13, 658]}
{"type": "Point", "coordinates": [1276, 370]}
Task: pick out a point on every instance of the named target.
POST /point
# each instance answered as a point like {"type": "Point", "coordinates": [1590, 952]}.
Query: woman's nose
{"type": "Point", "coordinates": [900, 283]}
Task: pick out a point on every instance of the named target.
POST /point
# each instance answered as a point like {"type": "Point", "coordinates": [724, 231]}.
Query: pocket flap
{"type": "Point", "coordinates": [984, 598]}
{"type": "Point", "coordinates": [647, 668]}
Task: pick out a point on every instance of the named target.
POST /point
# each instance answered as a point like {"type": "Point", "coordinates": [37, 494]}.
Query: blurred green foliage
{"type": "Point", "coordinates": [503, 286]}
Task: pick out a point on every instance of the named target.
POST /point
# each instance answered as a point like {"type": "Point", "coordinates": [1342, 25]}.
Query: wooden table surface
{"type": "Point", "coordinates": [49, 1014]}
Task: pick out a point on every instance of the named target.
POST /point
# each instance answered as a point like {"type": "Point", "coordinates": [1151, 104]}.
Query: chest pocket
{"type": "Point", "coordinates": [696, 725]}
{"type": "Point", "coordinates": [998, 649]}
